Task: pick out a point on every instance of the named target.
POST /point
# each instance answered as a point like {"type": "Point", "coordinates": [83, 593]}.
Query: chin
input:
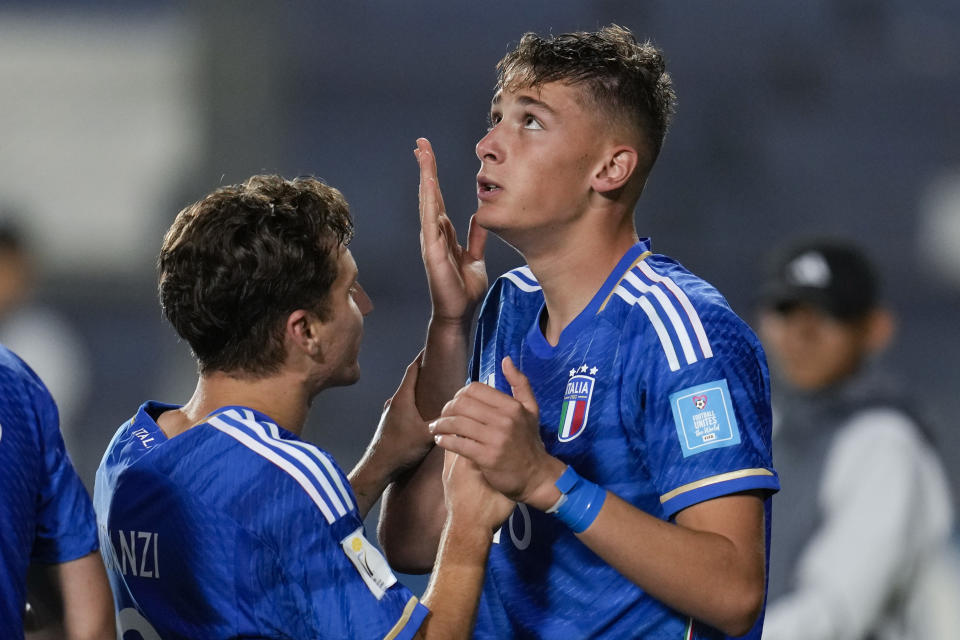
{"type": "Point", "coordinates": [342, 378]}
{"type": "Point", "coordinates": [350, 377]}
{"type": "Point", "coordinates": [487, 217]}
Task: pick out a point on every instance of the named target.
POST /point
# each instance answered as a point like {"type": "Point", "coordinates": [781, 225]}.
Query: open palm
{"type": "Point", "coordinates": [456, 275]}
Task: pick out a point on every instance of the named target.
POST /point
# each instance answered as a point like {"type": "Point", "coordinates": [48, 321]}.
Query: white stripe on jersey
{"type": "Point", "coordinates": [657, 323]}
{"type": "Point", "coordinates": [258, 447]}
{"type": "Point", "coordinates": [310, 462]}
{"type": "Point", "coordinates": [515, 277]}
{"type": "Point", "coordinates": [685, 303]}
{"type": "Point", "coordinates": [313, 451]}
{"type": "Point", "coordinates": [670, 310]}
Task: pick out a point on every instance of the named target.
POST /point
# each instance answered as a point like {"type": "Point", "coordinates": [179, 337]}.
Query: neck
{"type": "Point", "coordinates": [572, 268]}
{"type": "Point", "coordinates": [281, 396]}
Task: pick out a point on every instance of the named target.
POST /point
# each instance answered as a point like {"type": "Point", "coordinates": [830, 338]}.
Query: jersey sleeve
{"type": "Point", "coordinates": [704, 422]}
{"type": "Point", "coordinates": [486, 334]}
{"type": "Point", "coordinates": [66, 525]}
{"type": "Point", "coordinates": [337, 579]}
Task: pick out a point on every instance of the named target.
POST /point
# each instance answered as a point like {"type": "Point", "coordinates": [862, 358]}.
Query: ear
{"type": "Point", "coordinates": [619, 165]}
{"type": "Point", "coordinates": [302, 332]}
{"type": "Point", "coordinates": [880, 327]}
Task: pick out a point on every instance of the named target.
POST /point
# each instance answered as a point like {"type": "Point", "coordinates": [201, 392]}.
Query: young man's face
{"type": "Point", "coordinates": [811, 349]}
{"type": "Point", "coordinates": [536, 160]}
{"type": "Point", "coordinates": [342, 331]}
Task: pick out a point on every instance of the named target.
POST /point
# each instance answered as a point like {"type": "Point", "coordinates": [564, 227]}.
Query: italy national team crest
{"type": "Point", "coordinates": [576, 403]}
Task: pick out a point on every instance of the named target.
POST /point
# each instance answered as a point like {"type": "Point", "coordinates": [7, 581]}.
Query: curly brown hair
{"type": "Point", "coordinates": [626, 80]}
{"type": "Point", "coordinates": [235, 264]}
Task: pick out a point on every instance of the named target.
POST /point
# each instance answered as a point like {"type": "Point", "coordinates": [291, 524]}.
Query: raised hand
{"type": "Point", "coordinates": [456, 275]}
{"type": "Point", "coordinates": [400, 442]}
{"type": "Point", "coordinates": [501, 434]}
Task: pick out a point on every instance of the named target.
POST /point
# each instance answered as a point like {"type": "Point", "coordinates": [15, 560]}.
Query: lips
{"type": "Point", "coordinates": [486, 188]}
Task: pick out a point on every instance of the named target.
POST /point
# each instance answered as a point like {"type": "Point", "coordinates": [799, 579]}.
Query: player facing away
{"type": "Point", "coordinates": [47, 526]}
{"type": "Point", "coordinates": [216, 520]}
{"type": "Point", "coordinates": [613, 394]}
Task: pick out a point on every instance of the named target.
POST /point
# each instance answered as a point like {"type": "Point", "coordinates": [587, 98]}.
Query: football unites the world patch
{"type": "Point", "coordinates": [576, 402]}
{"type": "Point", "coordinates": [704, 417]}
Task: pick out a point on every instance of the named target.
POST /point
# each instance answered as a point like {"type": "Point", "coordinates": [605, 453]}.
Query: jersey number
{"type": "Point", "coordinates": [130, 620]}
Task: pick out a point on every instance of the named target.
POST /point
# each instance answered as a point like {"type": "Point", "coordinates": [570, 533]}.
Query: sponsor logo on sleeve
{"type": "Point", "coordinates": [704, 417]}
{"type": "Point", "coordinates": [370, 564]}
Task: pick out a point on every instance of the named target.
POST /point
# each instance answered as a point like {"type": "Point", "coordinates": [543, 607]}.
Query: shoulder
{"type": "Point", "coordinates": [17, 376]}
{"type": "Point", "coordinates": [29, 420]}
{"type": "Point", "coordinates": [679, 314]}
{"type": "Point", "coordinates": [298, 477]}
{"type": "Point", "coordinates": [874, 430]}
{"type": "Point", "coordinates": [515, 287]}
{"type": "Point", "coordinates": [886, 444]}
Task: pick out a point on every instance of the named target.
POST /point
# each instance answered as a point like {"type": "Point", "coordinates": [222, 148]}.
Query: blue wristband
{"type": "Point", "coordinates": [584, 500]}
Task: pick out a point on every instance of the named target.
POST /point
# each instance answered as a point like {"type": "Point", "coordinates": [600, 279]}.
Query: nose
{"type": "Point", "coordinates": [488, 148]}
{"type": "Point", "coordinates": [364, 303]}
{"type": "Point", "coordinates": [803, 323]}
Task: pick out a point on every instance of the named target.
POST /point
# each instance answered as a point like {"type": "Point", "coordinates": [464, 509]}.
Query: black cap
{"type": "Point", "coordinates": [829, 274]}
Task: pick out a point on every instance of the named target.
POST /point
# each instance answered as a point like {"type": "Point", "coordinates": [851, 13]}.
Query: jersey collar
{"type": "Point", "coordinates": [538, 343]}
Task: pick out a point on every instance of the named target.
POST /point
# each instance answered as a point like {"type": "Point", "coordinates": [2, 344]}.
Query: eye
{"type": "Point", "coordinates": [493, 120]}
{"type": "Point", "coordinates": [530, 122]}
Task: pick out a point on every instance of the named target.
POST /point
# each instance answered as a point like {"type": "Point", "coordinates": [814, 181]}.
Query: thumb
{"type": "Point", "coordinates": [519, 385]}
{"type": "Point", "coordinates": [476, 239]}
{"type": "Point", "coordinates": [409, 382]}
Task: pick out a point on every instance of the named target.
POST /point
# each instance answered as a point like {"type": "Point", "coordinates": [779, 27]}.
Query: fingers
{"type": "Point", "coordinates": [476, 239]}
{"type": "Point", "coordinates": [450, 236]}
{"type": "Point", "coordinates": [429, 206]}
{"type": "Point", "coordinates": [519, 385]}
{"type": "Point", "coordinates": [469, 449]}
{"type": "Point", "coordinates": [460, 426]}
{"type": "Point", "coordinates": [431, 198]}
{"type": "Point", "coordinates": [482, 403]}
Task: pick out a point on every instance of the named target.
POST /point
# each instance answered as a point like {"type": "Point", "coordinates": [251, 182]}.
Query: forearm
{"type": "Point", "coordinates": [457, 580]}
{"type": "Point", "coordinates": [702, 573]}
{"type": "Point", "coordinates": [88, 602]}
{"type": "Point", "coordinates": [368, 479]}
{"type": "Point", "coordinates": [74, 599]}
{"type": "Point", "coordinates": [413, 511]}
{"type": "Point", "coordinates": [444, 367]}
{"type": "Point", "coordinates": [412, 516]}
{"type": "Point", "coordinates": [709, 565]}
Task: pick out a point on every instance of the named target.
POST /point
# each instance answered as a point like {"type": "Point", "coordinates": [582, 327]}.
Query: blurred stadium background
{"type": "Point", "coordinates": [827, 116]}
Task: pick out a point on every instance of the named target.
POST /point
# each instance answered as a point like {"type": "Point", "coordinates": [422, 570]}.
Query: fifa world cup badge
{"type": "Point", "coordinates": [576, 402]}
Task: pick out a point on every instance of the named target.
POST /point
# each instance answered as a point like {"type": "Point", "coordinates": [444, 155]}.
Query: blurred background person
{"type": "Point", "coordinates": [38, 333]}
{"type": "Point", "coordinates": [862, 524]}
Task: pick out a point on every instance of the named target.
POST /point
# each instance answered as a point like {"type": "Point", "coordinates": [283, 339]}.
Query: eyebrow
{"type": "Point", "coordinates": [524, 101]}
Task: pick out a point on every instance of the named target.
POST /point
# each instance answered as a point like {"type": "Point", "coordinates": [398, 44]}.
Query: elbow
{"type": "Point", "coordinates": [404, 552]}
{"type": "Point", "coordinates": [403, 561]}
{"type": "Point", "coordinates": [743, 610]}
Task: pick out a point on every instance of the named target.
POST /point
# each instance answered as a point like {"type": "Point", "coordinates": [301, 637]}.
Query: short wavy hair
{"type": "Point", "coordinates": [235, 264]}
{"type": "Point", "coordinates": [625, 80]}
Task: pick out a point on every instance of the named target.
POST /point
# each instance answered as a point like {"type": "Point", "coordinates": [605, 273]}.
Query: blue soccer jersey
{"type": "Point", "coordinates": [237, 528]}
{"type": "Point", "coordinates": [657, 392]}
{"type": "Point", "coordinates": [45, 512]}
